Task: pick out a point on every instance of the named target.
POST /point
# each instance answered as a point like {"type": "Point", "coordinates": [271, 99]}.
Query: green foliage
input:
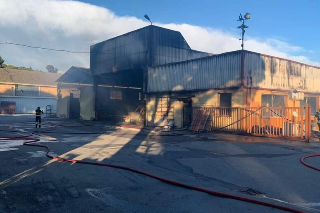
{"type": "Point", "coordinates": [1, 61]}
{"type": "Point", "coordinates": [8, 66]}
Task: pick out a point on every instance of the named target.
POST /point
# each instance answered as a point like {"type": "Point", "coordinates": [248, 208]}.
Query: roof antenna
{"type": "Point", "coordinates": [147, 17]}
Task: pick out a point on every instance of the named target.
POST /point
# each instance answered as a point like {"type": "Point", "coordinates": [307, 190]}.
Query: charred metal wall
{"type": "Point", "coordinates": [280, 74]}
{"type": "Point", "coordinates": [116, 109]}
{"type": "Point", "coordinates": [224, 71]}
{"type": "Point", "coordinates": [148, 46]}
{"type": "Point", "coordinates": [123, 61]}
{"type": "Point", "coordinates": [219, 71]}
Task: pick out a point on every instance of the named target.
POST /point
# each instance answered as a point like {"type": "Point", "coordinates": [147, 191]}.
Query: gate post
{"type": "Point", "coordinates": [308, 122]}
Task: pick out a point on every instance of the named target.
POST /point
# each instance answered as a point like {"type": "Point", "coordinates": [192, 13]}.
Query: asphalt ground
{"type": "Point", "coordinates": [258, 168]}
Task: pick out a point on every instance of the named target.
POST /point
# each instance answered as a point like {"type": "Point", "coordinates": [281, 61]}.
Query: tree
{"type": "Point", "coordinates": [51, 69]}
{"type": "Point", "coordinates": [1, 62]}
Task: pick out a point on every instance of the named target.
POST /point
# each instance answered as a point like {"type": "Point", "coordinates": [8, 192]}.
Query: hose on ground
{"type": "Point", "coordinates": [308, 165]}
{"type": "Point", "coordinates": [30, 141]}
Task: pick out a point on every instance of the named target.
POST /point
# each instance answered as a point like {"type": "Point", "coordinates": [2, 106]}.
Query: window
{"type": "Point", "coordinates": [312, 102]}
{"type": "Point", "coordinates": [27, 91]}
{"type": "Point", "coordinates": [272, 101]}
{"type": "Point", "coordinates": [225, 101]}
{"type": "Point", "coordinates": [116, 95]}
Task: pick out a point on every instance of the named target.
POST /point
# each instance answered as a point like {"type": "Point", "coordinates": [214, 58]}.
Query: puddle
{"type": "Point", "coordinates": [6, 145]}
{"type": "Point", "coordinates": [41, 154]}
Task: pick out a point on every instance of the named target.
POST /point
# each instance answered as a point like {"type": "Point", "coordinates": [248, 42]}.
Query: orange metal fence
{"type": "Point", "coordinates": [291, 122]}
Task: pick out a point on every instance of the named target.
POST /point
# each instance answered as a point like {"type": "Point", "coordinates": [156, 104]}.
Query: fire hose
{"type": "Point", "coordinates": [31, 140]}
{"type": "Point", "coordinates": [308, 165]}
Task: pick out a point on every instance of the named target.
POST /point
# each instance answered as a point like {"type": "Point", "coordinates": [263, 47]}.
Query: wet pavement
{"type": "Point", "coordinates": [259, 168]}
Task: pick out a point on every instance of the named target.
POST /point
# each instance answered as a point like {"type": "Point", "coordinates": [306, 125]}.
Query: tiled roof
{"type": "Point", "coordinates": [28, 77]}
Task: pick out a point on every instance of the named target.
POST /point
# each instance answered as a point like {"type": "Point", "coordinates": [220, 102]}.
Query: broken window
{"type": "Point", "coordinates": [272, 101]}
{"type": "Point", "coordinates": [116, 95]}
{"type": "Point", "coordinates": [225, 101]}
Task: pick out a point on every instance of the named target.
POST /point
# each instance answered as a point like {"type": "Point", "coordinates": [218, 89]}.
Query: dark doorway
{"type": "Point", "coordinates": [312, 102]}
{"type": "Point", "coordinates": [225, 101]}
{"type": "Point", "coordinates": [74, 105]}
{"type": "Point", "coordinates": [8, 107]}
{"type": "Point", "coordinates": [187, 113]}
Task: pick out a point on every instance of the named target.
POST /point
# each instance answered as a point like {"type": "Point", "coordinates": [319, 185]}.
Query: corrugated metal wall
{"type": "Point", "coordinates": [148, 46]}
{"type": "Point", "coordinates": [114, 108]}
{"type": "Point", "coordinates": [275, 73]}
{"type": "Point", "coordinates": [121, 53]}
{"type": "Point", "coordinates": [220, 71]}
{"type": "Point", "coordinates": [170, 46]}
{"type": "Point", "coordinates": [29, 105]}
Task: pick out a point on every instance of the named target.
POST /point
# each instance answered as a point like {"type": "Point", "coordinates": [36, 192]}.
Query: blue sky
{"type": "Point", "coordinates": [292, 21]}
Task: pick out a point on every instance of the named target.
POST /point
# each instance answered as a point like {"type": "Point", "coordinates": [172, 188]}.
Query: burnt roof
{"type": "Point", "coordinates": [144, 29]}
{"type": "Point", "coordinates": [76, 75]}
{"type": "Point", "coordinates": [28, 77]}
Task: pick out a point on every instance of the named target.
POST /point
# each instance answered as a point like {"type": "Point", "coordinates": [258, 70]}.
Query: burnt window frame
{"type": "Point", "coordinates": [116, 95]}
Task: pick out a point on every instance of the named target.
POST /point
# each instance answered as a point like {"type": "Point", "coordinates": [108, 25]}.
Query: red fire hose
{"type": "Point", "coordinates": [308, 165]}
{"type": "Point", "coordinates": [31, 140]}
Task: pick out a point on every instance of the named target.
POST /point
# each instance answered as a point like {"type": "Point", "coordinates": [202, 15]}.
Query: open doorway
{"type": "Point", "coordinates": [75, 104]}
{"type": "Point", "coordinates": [187, 113]}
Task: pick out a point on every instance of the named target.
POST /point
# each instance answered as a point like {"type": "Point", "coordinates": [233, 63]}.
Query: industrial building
{"type": "Point", "coordinates": [22, 91]}
{"type": "Point", "coordinates": [76, 95]}
{"type": "Point", "coordinates": [228, 81]}
{"type": "Point", "coordinates": [122, 62]}
{"type": "Point", "coordinates": [155, 69]}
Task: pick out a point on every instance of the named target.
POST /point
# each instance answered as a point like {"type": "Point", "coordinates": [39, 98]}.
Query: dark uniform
{"type": "Point", "coordinates": [317, 115]}
{"type": "Point", "coordinates": [39, 112]}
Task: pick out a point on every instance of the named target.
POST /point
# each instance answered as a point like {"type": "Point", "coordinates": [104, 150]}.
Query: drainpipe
{"type": "Point", "coordinates": [242, 68]}
{"type": "Point", "coordinates": [95, 89]}
{"type": "Point", "coordinates": [145, 74]}
{"type": "Point", "coordinates": [250, 91]}
{"type": "Point", "coordinates": [242, 86]}
{"type": "Point", "coordinates": [247, 93]}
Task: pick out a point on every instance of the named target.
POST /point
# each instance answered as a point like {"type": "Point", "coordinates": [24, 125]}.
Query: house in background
{"type": "Point", "coordinates": [22, 91]}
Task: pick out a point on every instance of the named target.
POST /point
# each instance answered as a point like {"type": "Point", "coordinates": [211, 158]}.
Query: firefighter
{"type": "Point", "coordinates": [39, 112]}
{"type": "Point", "coordinates": [317, 115]}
